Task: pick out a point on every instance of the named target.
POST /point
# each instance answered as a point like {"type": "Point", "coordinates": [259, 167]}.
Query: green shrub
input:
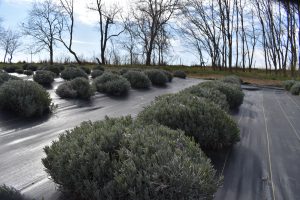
{"type": "Point", "coordinates": [10, 68]}
{"type": "Point", "coordinates": [4, 77]}
{"type": "Point", "coordinates": [76, 88]}
{"type": "Point", "coordinates": [82, 87]}
{"type": "Point", "coordinates": [233, 79]}
{"type": "Point", "coordinates": [155, 157]}
{"type": "Point", "coordinates": [209, 125]}
{"type": "Point", "coordinates": [56, 69]}
{"type": "Point", "coordinates": [233, 92]}
{"type": "Point", "coordinates": [66, 91]}
{"type": "Point", "coordinates": [25, 98]}
{"type": "Point", "coordinates": [118, 159]}
{"type": "Point", "coordinates": [104, 78]}
{"type": "Point", "coordinates": [96, 72]}
{"type": "Point", "coordinates": [99, 67]}
{"type": "Point", "coordinates": [179, 74]}
{"type": "Point", "coordinates": [72, 72]}
{"type": "Point", "coordinates": [28, 72]}
{"type": "Point", "coordinates": [61, 67]}
{"type": "Point", "coordinates": [288, 84]}
{"type": "Point", "coordinates": [19, 71]}
{"type": "Point", "coordinates": [138, 79]}
{"type": "Point", "coordinates": [295, 89]}
{"type": "Point", "coordinates": [117, 87]}
{"type": "Point", "coordinates": [157, 77]}
{"type": "Point", "coordinates": [114, 72]}
{"type": "Point", "coordinates": [112, 84]}
{"type": "Point", "coordinates": [168, 74]}
{"type": "Point", "coordinates": [44, 77]}
{"type": "Point", "coordinates": [86, 69]}
{"type": "Point", "coordinates": [212, 95]}
{"type": "Point", "coordinates": [10, 193]}
{"type": "Point", "coordinates": [29, 67]}
{"type": "Point", "coordinates": [123, 71]}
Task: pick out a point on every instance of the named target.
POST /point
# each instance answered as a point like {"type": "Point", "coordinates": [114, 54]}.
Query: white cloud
{"type": "Point", "coordinates": [82, 13]}
{"type": "Point", "coordinates": [83, 42]}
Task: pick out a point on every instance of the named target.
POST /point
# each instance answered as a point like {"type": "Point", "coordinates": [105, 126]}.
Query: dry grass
{"type": "Point", "coordinates": [256, 76]}
{"type": "Point", "coordinates": [262, 82]}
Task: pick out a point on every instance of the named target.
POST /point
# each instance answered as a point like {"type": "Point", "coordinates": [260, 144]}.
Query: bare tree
{"type": "Point", "coordinates": [162, 45]}
{"type": "Point", "coordinates": [210, 26]}
{"type": "Point", "coordinates": [296, 2]}
{"type": "Point", "coordinates": [67, 25]}
{"type": "Point", "coordinates": [129, 41]}
{"type": "Point", "coordinates": [13, 47]}
{"type": "Point", "coordinates": [279, 26]}
{"type": "Point", "coordinates": [107, 24]}
{"type": "Point", "coordinates": [150, 17]}
{"type": "Point", "coordinates": [298, 10]}
{"type": "Point", "coordinates": [1, 28]}
{"type": "Point", "coordinates": [295, 5]}
{"type": "Point", "coordinates": [114, 57]}
{"type": "Point", "coordinates": [247, 32]}
{"type": "Point", "coordinates": [43, 26]}
{"type": "Point", "coordinates": [252, 39]}
{"type": "Point", "coordinates": [9, 42]}
{"type": "Point", "coordinates": [291, 35]}
{"type": "Point", "coordinates": [201, 29]}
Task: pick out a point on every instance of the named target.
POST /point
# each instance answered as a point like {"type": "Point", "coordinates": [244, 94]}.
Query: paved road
{"type": "Point", "coordinates": [265, 164]}
{"type": "Point", "coordinates": [22, 142]}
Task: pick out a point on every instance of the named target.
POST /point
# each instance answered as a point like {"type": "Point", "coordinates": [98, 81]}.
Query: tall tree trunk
{"type": "Point", "coordinates": [299, 37]}
{"type": "Point", "coordinates": [131, 57]}
{"type": "Point", "coordinates": [159, 54]}
{"type": "Point", "coordinates": [229, 33]}
{"type": "Point", "coordinates": [288, 18]}
{"type": "Point", "coordinates": [10, 58]}
{"type": "Point", "coordinates": [75, 56]}
{"type": "Point", "coordinates": [148, 58]}
{"type": "Point", "coordinates": [243, 35]}
{"type": "Point", "coordinates": [103, 61]}
{"type": "Point", "coordinates": [149, 52]}
{"type": "Point", "coordinates": [5, 55]}
{"type": "Point", "coordinates": [237, 35]}
{"type": "Point", "coordinates": [293, 40]}
{"type": "Point", "coordinates": [51, 54]}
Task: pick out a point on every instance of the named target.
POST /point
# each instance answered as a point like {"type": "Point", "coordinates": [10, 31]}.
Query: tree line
{"type": "Point", "coordinates": [225, 34]}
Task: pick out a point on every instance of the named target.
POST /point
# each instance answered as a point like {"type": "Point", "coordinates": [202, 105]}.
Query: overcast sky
{"type": "Point", "coordinates": [86, 36]}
